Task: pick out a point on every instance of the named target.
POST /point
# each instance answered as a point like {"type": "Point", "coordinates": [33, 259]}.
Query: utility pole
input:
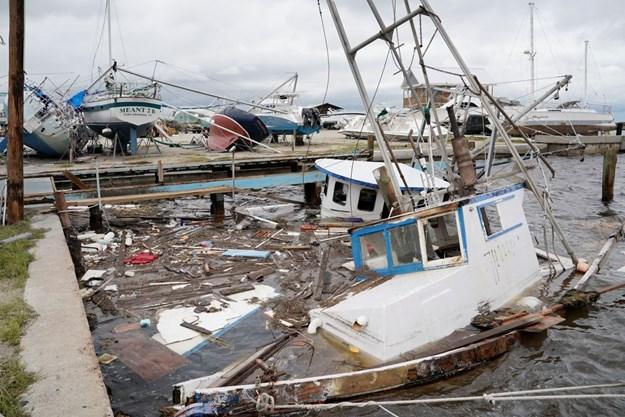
{"type": "Point", "coordinates": [532, 52]}
{"type": "Point", "coordinates": [15, 162]}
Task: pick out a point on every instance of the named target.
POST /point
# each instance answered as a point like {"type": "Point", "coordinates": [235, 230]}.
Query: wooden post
{"type": "Point", "coordinates": [217, 204]}
{"type": "Point", "coordinates": [160, 173]}
{"type": "Point", "coordinates": [609, 172]}
{"type": "Point", "coordinates": [312, 194]}
{"type": "Point", "coordinates": [95, 219]}
{"type": "Point", "coordinates": [370, 141]}
{"type": "Point", "coordinates": [386, 188]}
{"type": "Point", "coordinates": [15, 161]}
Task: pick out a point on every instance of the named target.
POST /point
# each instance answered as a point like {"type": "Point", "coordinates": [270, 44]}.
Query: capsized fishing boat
{"type": "Point", "coordinates": [351, 190]}
{"type": "Point", "coordinates": [235, 127]}
{"type": "Point", "coordinates": [420, 277]}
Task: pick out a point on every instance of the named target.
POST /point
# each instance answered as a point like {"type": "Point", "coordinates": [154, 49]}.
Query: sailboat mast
{"type": "Point", "coordinates": [585, 72]}
{"type": "Point", "coordinates": [532, 53]}
{"type": "Point", "coordinates": [108, 20]}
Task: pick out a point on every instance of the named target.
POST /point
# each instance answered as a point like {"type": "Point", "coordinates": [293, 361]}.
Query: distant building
{"type": "Point", "coordinates": [326, 108]}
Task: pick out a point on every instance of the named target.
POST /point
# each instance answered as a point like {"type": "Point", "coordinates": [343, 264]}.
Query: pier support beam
{"type": "Point", "coordinates": [95, 219]}
{"type": "Point", "coordinates": [312, 194]}
{"type": "Point", "coordinates": [609, 173]}
{"type": "Point", "coordinates": [217, 204]}
{"type": "Point", "coordinates": [133, 141]}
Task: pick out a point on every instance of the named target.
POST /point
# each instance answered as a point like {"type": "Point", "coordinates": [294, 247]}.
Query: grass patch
{"type": "Point", "coordinates": [15, 257]}
{"type": "Point", "coordinates": [13, 318]}
{"type": "Point", "coordinates": [14, 380]}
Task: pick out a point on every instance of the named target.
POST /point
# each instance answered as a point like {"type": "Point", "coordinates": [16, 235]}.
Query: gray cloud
{"type": "Point", "coordinates": [250, 46]}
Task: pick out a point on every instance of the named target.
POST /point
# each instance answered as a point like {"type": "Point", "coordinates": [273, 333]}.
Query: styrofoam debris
{"type": "Point", "coordinates": [129, 273]}
{"type": "Point", "coordinates": [93, 273]}
{"type": "Point", "coordinates": [112, 288]}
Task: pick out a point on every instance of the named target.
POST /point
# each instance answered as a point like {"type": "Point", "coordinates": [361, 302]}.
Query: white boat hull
{"type": "Point", "coordinates": [121, 114]}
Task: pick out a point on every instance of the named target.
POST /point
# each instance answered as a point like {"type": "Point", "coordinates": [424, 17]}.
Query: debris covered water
{"type": "Point", "coordinates": [585, 349]}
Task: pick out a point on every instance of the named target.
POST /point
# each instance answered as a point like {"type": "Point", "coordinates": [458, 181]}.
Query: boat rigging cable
{"type": "Point", "coordinates": [266, 403]}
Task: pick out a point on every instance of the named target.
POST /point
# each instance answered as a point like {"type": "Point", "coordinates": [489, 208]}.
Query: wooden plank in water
{"type": "Point", "coordinates": [146, 357]}
{"type": "Point", "coordinates": [135, 198]}
{"type": "Point", "coordinates": [80, 184]}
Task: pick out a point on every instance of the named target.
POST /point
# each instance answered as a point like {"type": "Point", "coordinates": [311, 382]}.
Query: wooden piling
{"type": "Point", "coordinates": [609, 173]}
{"type": "Point", "coordinates": [15, 162]}
{"type": "Point", "coordinates": [95, 219]}
{"type": "Point", "coordinates": [160, 172]}
{"type": "Point", "coordinates": [312, 194]}
{"type": "Point", "coordinates": [217, 204]}
{"type": "Point", "coordinates": [370, 142]}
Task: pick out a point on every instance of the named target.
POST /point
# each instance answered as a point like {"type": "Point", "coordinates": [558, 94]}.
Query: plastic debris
{"type": "Point", "coordinates": [248, 253]}
{"type": "Point", "coordinates": [142, 258]}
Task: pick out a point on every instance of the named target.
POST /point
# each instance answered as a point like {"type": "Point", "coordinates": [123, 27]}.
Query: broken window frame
{"type": "Point", "coordinates": [344, 188]}
{"type": "Point", "coordinates": [375, 199]}
{"type": "Point", "coordinates": [504, 228]}
{"type": "Point", "coordinates": [449, 261]}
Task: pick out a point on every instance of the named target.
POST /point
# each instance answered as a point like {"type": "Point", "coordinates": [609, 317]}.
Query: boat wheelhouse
{"type": "Point", "coordinates": [439, 266]}
{"type": "Point", "coordinates": [351, 191]}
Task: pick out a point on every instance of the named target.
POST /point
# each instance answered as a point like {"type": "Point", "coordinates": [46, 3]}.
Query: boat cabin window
{"type": "Point", "coordinates": [366, 199]}
{"type": "Point", "coordinates": [339, 196]}
{"type": "Point", "coordinates": [373, 251]}
{"type": "Point", "coordinates": [491, 221]}
{"type": "Point", "coordinates": [405, 246]}
{"type": "Point", "coordinates": [441, 237]}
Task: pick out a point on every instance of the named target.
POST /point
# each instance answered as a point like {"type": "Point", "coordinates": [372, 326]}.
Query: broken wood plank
{"type": "Point", "coordinates": [135, 198]}
{"type": "Point", "coordinates": [146, 357]}
{"type": "Point", "coordinates": [77, 182]}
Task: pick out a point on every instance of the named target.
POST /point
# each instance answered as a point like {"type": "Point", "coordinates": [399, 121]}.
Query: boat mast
{"type": "Point", "coordinates": [108, 19]}
{"type": "Point", "coordinates": [532, 52]}
{"type": "Point", "coordinates": [492, 113]}
{"type": "Point", "coordinates": [585, 73]}
{"type": "Point", "coordinates": [350, 53]}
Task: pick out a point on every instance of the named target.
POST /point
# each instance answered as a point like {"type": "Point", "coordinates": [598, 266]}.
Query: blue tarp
{"type": "Point", "coordinates": [77, 99]}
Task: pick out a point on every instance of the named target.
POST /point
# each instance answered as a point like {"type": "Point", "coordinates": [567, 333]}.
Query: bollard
{"type": "Point", "coordinates": [609, 172]}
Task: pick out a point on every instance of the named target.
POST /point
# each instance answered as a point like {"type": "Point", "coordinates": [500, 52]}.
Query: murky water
{"type": "Point", "coordinates": [585, 349]}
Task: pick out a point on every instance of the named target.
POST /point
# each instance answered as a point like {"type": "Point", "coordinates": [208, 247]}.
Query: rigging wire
{"type": "Point", "coordinates": [97, 48]}
{"type": "Point", "coordinates": [325, 40]}
{"type": "Point", "coordinates": [121, 37]}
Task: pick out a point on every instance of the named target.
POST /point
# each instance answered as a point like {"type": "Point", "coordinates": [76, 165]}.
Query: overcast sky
{"type": "Point", "coordinates": [244, 48]}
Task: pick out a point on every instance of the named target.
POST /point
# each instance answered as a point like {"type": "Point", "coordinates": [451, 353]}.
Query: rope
{"type": "Point", "coordinates": [544, 394]}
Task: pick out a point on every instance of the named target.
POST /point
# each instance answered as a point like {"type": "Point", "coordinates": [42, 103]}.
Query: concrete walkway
{"type": "Point", "coordinates": [57, 346]}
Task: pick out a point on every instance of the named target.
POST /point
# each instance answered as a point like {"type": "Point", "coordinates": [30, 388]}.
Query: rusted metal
{"type": "Point", "coordinates": [351, 384]}
{"type": "Point", "coordinates": [466, 169]}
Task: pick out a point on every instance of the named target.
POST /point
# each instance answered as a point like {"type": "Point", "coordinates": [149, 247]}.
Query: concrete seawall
{"type": "Point", "coordinates": [57, 345]}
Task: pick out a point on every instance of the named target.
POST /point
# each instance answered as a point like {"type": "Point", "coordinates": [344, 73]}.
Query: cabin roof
{"type": "Point", "coordinates": [361, 173]}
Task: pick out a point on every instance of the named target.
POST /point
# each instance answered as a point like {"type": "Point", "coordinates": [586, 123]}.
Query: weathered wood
{"type": "Point", "coordinates": [95, 219]}
{"type": "Point", "coordinates": [61, 209]}
{"type": "Point", "coordinates": [77, 182]}
{"type": "Point", "coordinates": [386, 188]}
{"type": "Point", "coordinates": [370, 149]}
{"type": "Point", "coordinates": [15, 148]}
{"type": "Point", "coordinates": [321, 276]}
{"type": "Point", "coordinates": [609, 172]}
{"type": "Point", "coordinates": [350, 384]}
{"type": "Point", "coordinates": [135, 198]}
{"type": "Point", "coordinates": [312, 194]}
{"type": "Point", "coordinates": [160, 172]}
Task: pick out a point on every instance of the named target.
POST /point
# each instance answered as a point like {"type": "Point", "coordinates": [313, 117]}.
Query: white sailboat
{"type": "Point", "coordinates": [570, 118]}
{"type": "Point", "coordinates": [119, 109]}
